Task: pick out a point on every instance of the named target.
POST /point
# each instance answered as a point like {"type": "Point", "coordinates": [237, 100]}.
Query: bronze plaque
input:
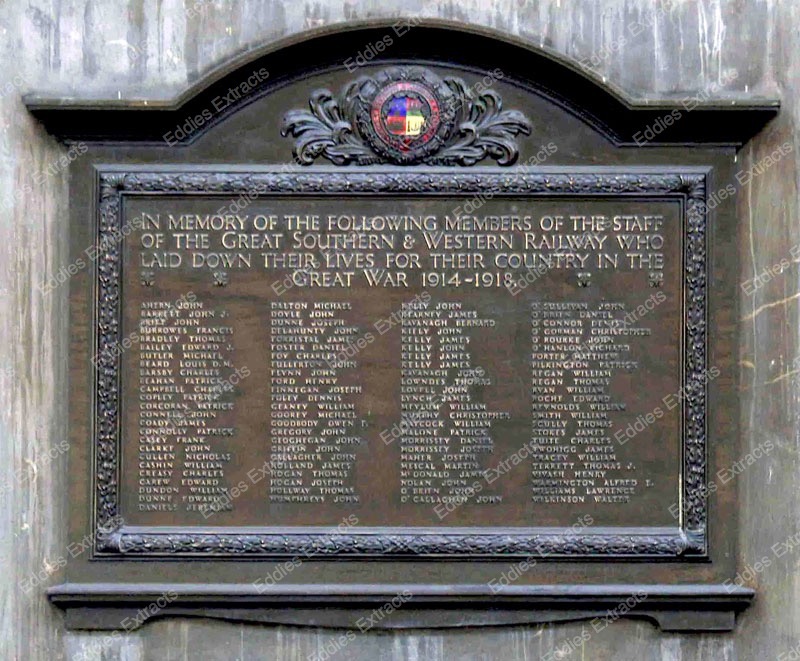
{"type": "Point", "coordinates": [429, 328]}
{"type": "Point", "coordinates": [470, 364]}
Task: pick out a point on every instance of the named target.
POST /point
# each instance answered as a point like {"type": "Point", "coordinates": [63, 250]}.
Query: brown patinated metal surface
{"type": "Point", "coordinates": [301, 360]}
{"type": "Point", "coordinates": [491, 363]}
{"type": "Point", "coordinates": [429, 327]}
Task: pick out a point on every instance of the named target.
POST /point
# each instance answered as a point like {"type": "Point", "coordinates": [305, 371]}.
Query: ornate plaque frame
{"type": "Point", "coordinates": [689, 540]}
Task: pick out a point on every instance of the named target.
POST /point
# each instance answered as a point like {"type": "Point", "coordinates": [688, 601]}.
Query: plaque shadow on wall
{"type": "Point", "coordinates": [428, 335]}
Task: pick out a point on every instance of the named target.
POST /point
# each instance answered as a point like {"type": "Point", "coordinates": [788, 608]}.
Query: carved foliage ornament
{"type": "Point", "coordinates": [406, 116]}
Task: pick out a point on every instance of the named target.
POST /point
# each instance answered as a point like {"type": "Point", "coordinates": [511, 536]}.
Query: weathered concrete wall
{"type": "Point", "coordinates": [151, 49]}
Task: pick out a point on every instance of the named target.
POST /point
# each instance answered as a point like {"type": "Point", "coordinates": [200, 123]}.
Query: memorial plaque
{"type": "Point", "coordinates": [427, 328]}
{"type": "Point", "coordinates": [408, 354]}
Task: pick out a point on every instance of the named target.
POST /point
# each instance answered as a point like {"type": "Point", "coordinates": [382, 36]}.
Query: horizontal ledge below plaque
{"type": "Point", "coordinates": [672, 607]}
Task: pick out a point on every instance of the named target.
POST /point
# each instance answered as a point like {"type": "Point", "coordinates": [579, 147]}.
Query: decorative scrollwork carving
{"type": "Point", "coordinates": [406, 116]}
